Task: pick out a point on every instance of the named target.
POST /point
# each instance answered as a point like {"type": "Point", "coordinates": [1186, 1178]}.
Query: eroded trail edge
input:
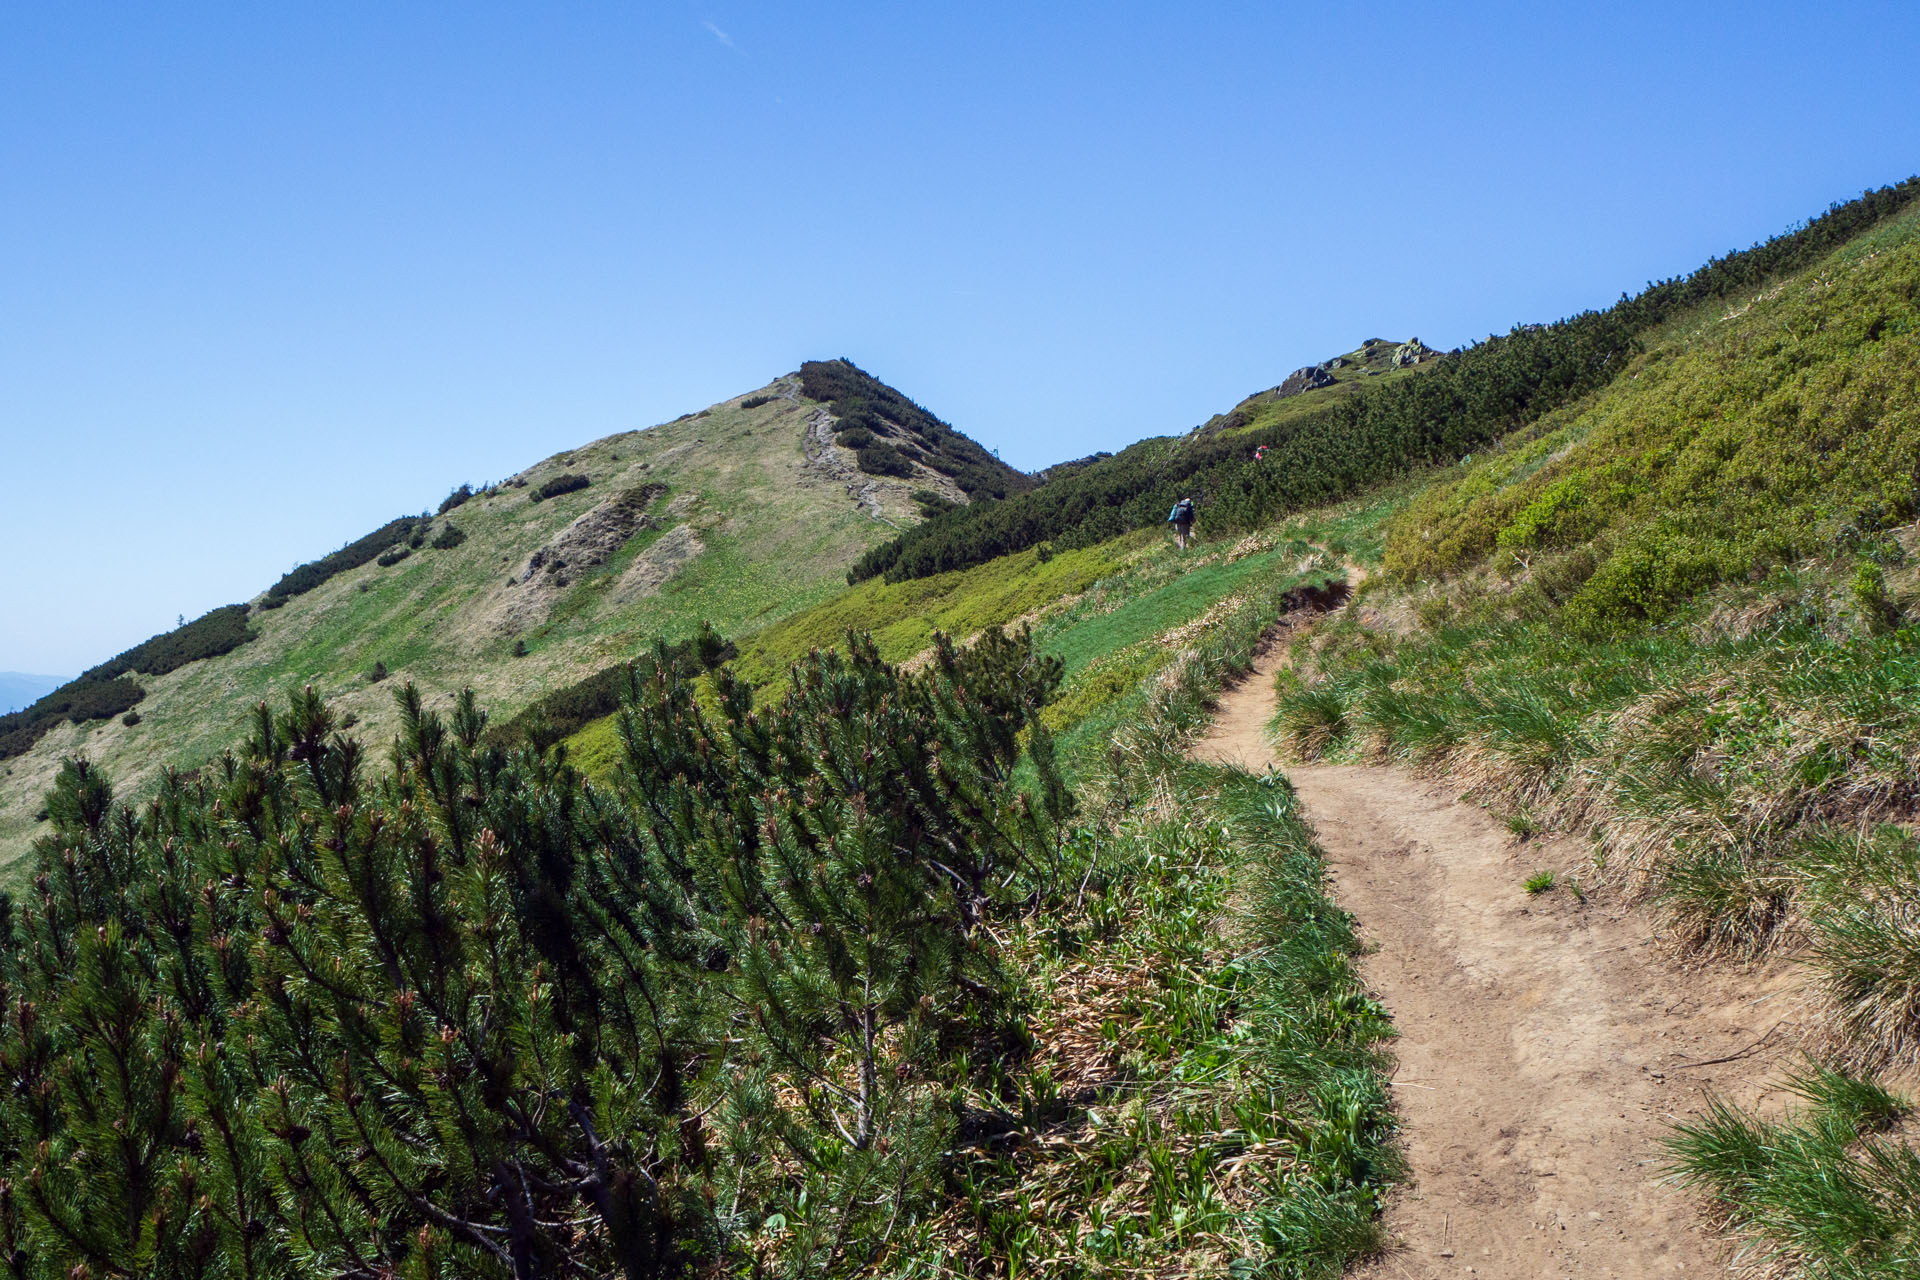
{"type": "Point", "coordinates": [1544, 1044]}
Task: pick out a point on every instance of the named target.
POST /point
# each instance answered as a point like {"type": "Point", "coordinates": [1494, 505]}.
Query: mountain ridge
{"type": "Point", "coordinates": [739, 513]}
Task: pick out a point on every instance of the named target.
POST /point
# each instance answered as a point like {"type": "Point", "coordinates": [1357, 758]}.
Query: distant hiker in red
{"type": "Point", "coordinates": [1181, 518]}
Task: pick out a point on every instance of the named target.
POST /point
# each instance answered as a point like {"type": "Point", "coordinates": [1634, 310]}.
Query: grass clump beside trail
{"type": "Point", "coordinates": [1739, 779]}
{"type": "Point", "coordinates": [1825, 1191]}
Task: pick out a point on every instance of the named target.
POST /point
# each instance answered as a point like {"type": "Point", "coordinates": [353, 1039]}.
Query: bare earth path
{"type": "Point", "coordinates": [1544, 1046]}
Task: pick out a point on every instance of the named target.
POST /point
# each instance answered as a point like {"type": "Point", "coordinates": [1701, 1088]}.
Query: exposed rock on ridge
{"type": "Point", "coordinates": [592, 538]}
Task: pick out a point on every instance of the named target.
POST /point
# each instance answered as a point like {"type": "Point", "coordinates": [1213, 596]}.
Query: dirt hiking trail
{"type": "Point", "coordinates": [1544, 1045]}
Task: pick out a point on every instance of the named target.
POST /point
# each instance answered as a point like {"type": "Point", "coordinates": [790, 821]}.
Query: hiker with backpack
{"type": "Point", "coordinates": [1181, 518]}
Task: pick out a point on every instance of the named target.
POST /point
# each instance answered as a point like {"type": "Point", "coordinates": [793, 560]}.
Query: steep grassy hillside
{"type": "Point", "coordinates": [1678, 617]}
{"type": "Point", "coordinates": [1460, 402]}
{"type": "Point", "coordinates": [740, 515]}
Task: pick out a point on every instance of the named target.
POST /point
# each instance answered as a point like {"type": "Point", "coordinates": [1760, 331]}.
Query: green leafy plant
{"type": "Point", "coordinates": [1876, 608]}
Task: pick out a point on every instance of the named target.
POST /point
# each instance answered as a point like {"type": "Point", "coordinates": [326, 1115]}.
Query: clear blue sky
{"type": "Point", "coordinates": [273, 274]}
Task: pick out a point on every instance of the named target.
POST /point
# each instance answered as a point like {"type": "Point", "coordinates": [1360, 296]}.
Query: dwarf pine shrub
{"type": "Point", "coordinates": [570, 482]}
{"type": "Point", "coordinates": [470, 1016]}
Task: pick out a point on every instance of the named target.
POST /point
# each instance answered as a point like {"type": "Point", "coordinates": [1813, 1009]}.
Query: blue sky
{"type": "Point", "coordinates": [271, 275]}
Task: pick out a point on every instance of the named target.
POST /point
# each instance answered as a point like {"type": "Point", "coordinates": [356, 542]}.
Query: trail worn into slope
{"type": "Point", "coordinates": [1543, 1044]}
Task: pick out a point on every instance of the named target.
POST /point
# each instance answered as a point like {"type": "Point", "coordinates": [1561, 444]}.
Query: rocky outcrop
{"type": "Point", "coordinates": [833, 460]}
{"type": "Point", "coordinates": [1412, 352]}
{"type": "Point", "coordinates": [1300, 381]}
{"type": "Point", "coordinates": [529, 596]}
{"type": "Point", "coordinates": [595, 536]}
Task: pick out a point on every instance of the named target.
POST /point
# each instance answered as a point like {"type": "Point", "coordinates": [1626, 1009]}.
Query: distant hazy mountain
{"type": "Point", "coordinates": [17, 689]}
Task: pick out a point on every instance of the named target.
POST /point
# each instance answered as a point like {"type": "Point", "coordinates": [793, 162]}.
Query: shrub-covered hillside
{"type": "Point", "coordinates": [736, 515]}
{"type": "Point", "coordinates": [106, 690]}
{"type": "Point", "coordinates": [1455, 405]}
{"type": "Point", "coordinates": [1783, 426]}
{"type": "Point", "coordinates": [1307, 390]}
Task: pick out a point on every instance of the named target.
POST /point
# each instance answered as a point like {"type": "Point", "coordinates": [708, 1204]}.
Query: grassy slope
{"type": "Point", "coordinates": [777, 536]}
{"type": "Point", "coordinates": [1678, 617]}
{"type": "Point", "coordinates": [1113, 613]}
{"type": "Point", "coordinates": [1784, 427]}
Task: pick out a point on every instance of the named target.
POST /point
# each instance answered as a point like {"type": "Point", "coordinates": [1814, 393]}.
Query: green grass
{"type": "Point", "coordinates": [1539, 882]}
{"type": "Point", "coordinates": [1822, 1191]}
{"type": "Point", "coordinates": [1356, 531]}
{"type": "Point", "coordinates": [902, 617]}
{"type": "Point", "coordinates": [1158, 595]}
